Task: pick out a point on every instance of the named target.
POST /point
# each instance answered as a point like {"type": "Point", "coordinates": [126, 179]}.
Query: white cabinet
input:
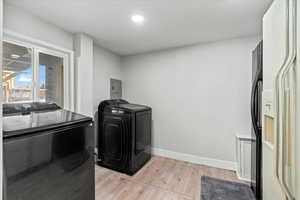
{"type": "Point", "coordinates": [243, 156]}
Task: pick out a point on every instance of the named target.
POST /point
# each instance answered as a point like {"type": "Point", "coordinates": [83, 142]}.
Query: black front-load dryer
{"type": "Point", "coordinates": [124, 135]}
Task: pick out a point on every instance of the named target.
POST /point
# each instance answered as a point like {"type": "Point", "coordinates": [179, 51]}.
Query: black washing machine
{"type": "Point", "coordinates": [124, 135]}
{"type": "Point", "coordinates": [48, 153]}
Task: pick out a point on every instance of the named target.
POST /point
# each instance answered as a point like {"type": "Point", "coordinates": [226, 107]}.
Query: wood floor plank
{"type": "Point", "coordinates": [146, 174]}
{"type": "Point", "coordinates": [180, 179]}
{"type": "Point", "coordinates": [164, 178]}
{"type": "Point", "coordinates": [192, 187]}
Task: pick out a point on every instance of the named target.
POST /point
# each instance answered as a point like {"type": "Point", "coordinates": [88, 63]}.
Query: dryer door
{"type": "Point", "coordinates": [114, 141]}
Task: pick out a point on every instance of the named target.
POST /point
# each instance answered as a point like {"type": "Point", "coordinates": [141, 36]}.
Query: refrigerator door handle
{"type": "Point", "coordinates": [278, 106]}
{"type": "Point", "coordinates": [254, 94]}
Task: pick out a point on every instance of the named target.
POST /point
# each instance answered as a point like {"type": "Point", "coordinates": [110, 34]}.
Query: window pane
{"type": "Point", "coordinates": [17, 73]}
{"type": "Point", "coordinates": [51, 79]}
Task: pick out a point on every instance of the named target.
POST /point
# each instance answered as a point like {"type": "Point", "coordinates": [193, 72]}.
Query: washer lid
{"type": "Point", "coordinates": [19, 124]}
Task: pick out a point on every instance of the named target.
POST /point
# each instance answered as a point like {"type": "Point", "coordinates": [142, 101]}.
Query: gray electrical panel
{"type": "Point", "coordinates": [115, 89]}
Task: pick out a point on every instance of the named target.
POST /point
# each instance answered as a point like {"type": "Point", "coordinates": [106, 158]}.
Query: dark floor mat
{"type": "Point", "coordinates": [216, 189]}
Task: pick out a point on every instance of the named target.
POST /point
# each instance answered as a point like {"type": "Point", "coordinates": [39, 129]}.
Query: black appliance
{"type": "Point", "coordinates": [256, 133]}
{"type": "Point", "coordinates": [47, 152]}
{"type": "Point", "coordinates": [124, 135]}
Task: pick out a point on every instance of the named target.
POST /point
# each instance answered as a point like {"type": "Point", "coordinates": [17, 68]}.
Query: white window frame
{"type": "Point", "coordinates": [37, 47]}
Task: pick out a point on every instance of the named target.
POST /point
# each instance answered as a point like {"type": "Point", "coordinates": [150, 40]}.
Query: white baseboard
{"type": "Point", "coordinates": [195, 159]}
{"type": "Point", "coordinates": [242, 178]}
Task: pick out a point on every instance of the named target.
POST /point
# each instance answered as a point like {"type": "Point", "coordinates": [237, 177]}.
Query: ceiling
{"type": "Point", "coordinates": [168, 23]}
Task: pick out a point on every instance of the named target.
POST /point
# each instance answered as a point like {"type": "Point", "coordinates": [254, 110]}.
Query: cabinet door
{"type": "Point", "coordinates": [114, 140]}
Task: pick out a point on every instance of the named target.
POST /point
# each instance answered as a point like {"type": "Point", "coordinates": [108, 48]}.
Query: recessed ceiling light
{"type": "Point", "coordinates": [15, 56]}
{"type": "Point", "coordinates": [138, 19]}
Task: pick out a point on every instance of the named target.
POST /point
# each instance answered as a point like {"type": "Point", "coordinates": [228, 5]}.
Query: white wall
{"type": "Point", "coordinates": [19, 21]}
{"type": "Point", "coordinates": [200, 96]}
{"type": "Point", "coordinates": [106, 65]}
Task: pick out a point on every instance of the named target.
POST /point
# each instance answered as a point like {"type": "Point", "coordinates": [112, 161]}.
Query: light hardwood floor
{"type": "Point", "coordinates": [160, 179]}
